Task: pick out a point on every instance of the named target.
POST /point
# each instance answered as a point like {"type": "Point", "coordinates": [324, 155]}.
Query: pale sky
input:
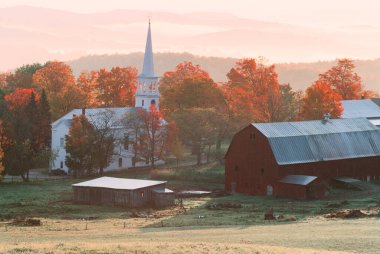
{"type": "Point", "coordinates": [308, 12]}
{"type": "Point", "coordinates": [279, 30]}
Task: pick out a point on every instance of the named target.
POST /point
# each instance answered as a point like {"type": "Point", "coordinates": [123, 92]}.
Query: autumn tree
{"type": "Point", "coordinates": [173, 142]}
{"type": "Point", "coordinates": [344, 80]}
{"type": "Point", "coordinates": [88, 83]}
{"type": "Point", "coordinates": [104, 125]}
{"type": "Point", "coordinates": [116, 88]}
{"type": "Point", "coordinates": [78, 144]}
{"type": "Point", "coordinates": [23, 76]}
{"type": "Point", "coordinates": [320, 99]}
{"type": "Point", "coordinates": [291, 103]}
{"type": "Point", "coordinates": [62, 93]}
{"type": "Point", "coordinates": [189, 87]}
{"type": "Point", "coordinates": [154, 133]}
{"type": "Point", "coordinates": [197, 129]}
{"type": "Point", "coordinates": [2, 143]}
{"type": "Point", "coordinates": [258, 86]}
{"type": "Point", "coordinates": [21, 151]}
{"type": "Point", "coordinates": [133, 127]}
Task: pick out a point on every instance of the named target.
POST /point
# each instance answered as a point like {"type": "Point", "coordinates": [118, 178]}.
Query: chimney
{"type": "Point", "coordinates": [83, 111]}
{"type": "Point", "coordinates": [326, 116]}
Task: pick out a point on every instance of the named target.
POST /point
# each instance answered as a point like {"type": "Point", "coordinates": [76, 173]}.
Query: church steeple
{"type": "Point", "coordinates": [148, 66]}
{"type": "Point", "coordinates": [147, 82]}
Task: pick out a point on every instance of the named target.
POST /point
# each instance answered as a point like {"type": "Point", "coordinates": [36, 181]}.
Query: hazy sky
{"type": "Point", "coordinates": [300, 30]}
{"type": "Point", "coordinates": [314, 12]}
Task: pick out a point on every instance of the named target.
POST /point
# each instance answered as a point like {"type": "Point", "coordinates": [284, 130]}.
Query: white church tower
{"type": "Point", "coordinates": [147, 82]}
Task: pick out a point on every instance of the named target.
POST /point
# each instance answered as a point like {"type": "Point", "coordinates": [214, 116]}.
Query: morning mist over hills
{"type": "Point", "coordinates": [299, 75]}
{"type": "Point", "coordinates": [98, 39]}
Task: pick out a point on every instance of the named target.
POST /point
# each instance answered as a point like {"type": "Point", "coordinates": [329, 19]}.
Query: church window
{"type": "Point", "coordinates": [62, 142]}
{"type": "Point", "coordinates": [142, 103]}
{"type": "Point", "coordinates": [120, 162]}
{"type": "Point", "coordinates": [152, 102]}
{"type": "Point", "coordinates": [126, 141]}
{"type": "Point", "coordinates": [61, 164]}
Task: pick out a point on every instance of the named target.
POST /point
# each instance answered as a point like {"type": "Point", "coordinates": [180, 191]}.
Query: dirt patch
{"type": "Point", "coordinates": [26, 222]}
{"type": "Point", "coordinates": [348, 214]}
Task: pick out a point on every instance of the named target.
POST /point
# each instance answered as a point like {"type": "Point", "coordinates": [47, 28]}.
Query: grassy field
{"type": "Point", "coordinates": [197, 229]}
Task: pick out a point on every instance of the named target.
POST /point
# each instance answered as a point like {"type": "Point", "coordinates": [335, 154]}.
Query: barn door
{"type": "Point", "coordinates": [269, 190]}
{"type": "Point", "coordinates": [233, 187]}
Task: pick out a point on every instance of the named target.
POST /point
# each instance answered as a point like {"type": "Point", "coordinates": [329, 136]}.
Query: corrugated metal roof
{"type": "Point", "coordinates": [298, 179]}
{"type": "Point", "coordinates": [313, 141]}
{"type": "Point", "coordinates": [118, 183]}
{"type": "Point", "coordinates": [166, 191]}
{"type": "Point", "coordinates": [360, 108]}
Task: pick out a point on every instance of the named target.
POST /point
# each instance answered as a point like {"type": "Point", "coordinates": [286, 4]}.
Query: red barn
{"type": "Point", "coordinates": [263, 154]}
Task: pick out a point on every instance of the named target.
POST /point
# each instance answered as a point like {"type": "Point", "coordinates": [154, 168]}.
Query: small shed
{"type": "Point", "coordinates": [131, 193]}
{"type": "Point", "coordinates": [300, 186]}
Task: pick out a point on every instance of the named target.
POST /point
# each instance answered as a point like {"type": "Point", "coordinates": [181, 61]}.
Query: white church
{"type": "Point", "coordinates": [146, 94]}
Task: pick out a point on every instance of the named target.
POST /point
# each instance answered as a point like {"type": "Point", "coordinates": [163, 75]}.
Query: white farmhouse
{"type": "Point", "coordinates": [146, 94]}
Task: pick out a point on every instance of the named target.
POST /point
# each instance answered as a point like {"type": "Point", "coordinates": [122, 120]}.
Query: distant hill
{"type": "Point", "coordinates": [299, 75]}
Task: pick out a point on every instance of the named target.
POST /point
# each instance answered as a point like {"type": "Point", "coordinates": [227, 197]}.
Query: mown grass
{"type": "Point", "coordinates": [53, 199]}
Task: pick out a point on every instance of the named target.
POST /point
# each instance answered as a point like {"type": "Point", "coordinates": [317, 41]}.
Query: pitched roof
{"type": "Point", "coordinates": [93, 114]}
{"type": "Point", "coordinates": [313, 141]}
{"type": "Point", "coordinates": [118, 183]}
{"type": "Point", "coordinates": [298, 179]}
{"type": "Point", "coordinates": [360, 108]}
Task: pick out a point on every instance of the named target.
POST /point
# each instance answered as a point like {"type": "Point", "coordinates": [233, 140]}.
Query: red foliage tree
{"type": "Point", "coordinates": [320, 99]}
{"type": "Point", "coordinates": [344, 80]}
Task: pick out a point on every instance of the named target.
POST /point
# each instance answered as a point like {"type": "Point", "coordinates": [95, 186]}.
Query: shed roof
{"type": "Point", "coordinates": [360, 108]}
{"type": "Point", "coordinates": [298, 179]}
{"type": "Point", "coordinates": [118, 183]}
{"type": "Point", "coordinates": [313, 141]}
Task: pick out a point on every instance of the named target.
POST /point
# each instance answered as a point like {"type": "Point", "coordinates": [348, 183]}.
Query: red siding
{"type": "Point", "coordinates": [250, 164]}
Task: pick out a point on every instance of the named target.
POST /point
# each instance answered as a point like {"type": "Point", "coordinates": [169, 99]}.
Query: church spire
{"type": "Point", "coordinates": [148, 67]}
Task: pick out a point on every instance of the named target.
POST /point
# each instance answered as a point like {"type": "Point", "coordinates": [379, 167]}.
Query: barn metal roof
{"type": "Point", "coordinates": [118, 183]}
{"type": "Point", "coordinates": [360, 108]}
{"type": "Point", "coordinates": [313, 141]}
{"type": "Point", "coordinates": [298, 179]}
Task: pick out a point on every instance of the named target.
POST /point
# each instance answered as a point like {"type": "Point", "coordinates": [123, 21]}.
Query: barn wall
{"type": "Point", "coordinates": [105, 196]}
{"type": "Point", "coordinates": [250, 163]}
{"type": "Point", "coordinates": [250, 166]}
{"type": "Point", "coordinates": [164, 199]}
{"type": "Point", "coordinates": [359, 168]}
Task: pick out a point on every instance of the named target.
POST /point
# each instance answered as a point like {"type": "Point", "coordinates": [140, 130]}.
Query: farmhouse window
{"type": "Point", "coordinates": [120, 162]}
{"type": "Point", "coordinates": [142, 194]}
{"type": "Point", "coordinates": [62, 142]}
{"type": "Point", "coordinates": [61, 164]}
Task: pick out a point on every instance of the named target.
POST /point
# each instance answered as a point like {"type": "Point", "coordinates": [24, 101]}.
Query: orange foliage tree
{"type": "Point", "coordinates": [320, 99]}
{"type": "Point", "coordinates": [18, 100]}
{"type": "Point", "coordinates": [116, 88]}
{"type": "Point", "coordinates": [58, 82]}
{"type": "Point", "coordinates": [188, 86]}
{"type": "Point", "coordinates": [253, 92]}
{"type": "Point", "coordinates": [188, 89]}
{"type": "Point", "coordinates": [344, 80]}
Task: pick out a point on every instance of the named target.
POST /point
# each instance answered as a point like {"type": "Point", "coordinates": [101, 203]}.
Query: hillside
{"type": "Point", "coordinates": [299, 75]}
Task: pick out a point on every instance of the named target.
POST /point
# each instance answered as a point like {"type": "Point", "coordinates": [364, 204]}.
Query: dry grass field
{"type": "Point", "coordinates": [317, 235]}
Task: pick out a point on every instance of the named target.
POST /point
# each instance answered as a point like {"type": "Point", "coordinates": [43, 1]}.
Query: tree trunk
{"type": "Point", "coordinates": [199, 158]}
